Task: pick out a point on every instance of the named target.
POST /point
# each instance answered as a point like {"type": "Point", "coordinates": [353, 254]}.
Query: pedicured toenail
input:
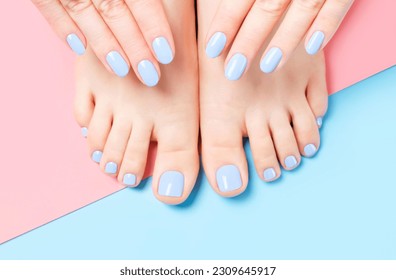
{"type": "Point", "coordinates": [117, 63]}
{"type": "Point", "coordinates": [319, 121]}
{"type": "Point", "coordinates": [315, 42]}
{"type": "Point", "coordinates": [97, 156]}
{"type": "Point", "coordinates": [129, 179]}
{"type": "Point", "coordinates": [216, 45]}
{"type": "Point", "coordinates": [162, 50]}
{"type": "Point", "coordinates": [111, 168]}
{"type": "Point", "coordinates": [84, 132]}
{"type": "Point", "coordinates": [228, 178]}
{"type": "Point", "coordinates": [271, 60]}
{"type": "Point", "coordinates": [75, 44]}
{"type": "Point", "coordinates": [310, 150]}
{"type": "Point", "coordinates": [171, 183]}
{"type": "Point", "coordinates": [148, 73]}
{"type": "Point", "coordinates": [269, 174]}
{"type": "Point", "coordinates": [235, 67]}
{"type": "Point", "coordinates": [291, 162]}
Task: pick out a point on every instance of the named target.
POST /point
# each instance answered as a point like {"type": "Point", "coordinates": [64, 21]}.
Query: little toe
{"type": "Point", "coordinates": [317, 97]}
{"type": "Point", "coordinates": [83, 109]}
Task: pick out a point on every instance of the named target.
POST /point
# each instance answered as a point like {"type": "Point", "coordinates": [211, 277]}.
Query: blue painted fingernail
{"type": "Point", "coordinates": [84, 132]}
{"type": "Point", "coordinates": [216, 44]}
{"type": "Point", "coordinates": [271, 60]}
{"type": "Point", "coordinates": [269, 174]}
{"type": "Point", "coordinates": [162, 50]}
{"type": "Point", "coordinates": [310, 150]}
{"type": "Point", "coordinates": [319, 121]}
{"type": "Point", "coordinates": [148, 73]}
{"type": "Point", "coordinates": [315, 42]}
{"type": "Point", "coordinates": [117, 63]}
{"type": "Point", "coordinates": [75, 44]}
{"type": "Point", "coordinates": [111, 168]}
{"type": "Point", "coordinates": [228, 178]}
{"type": "Point", "coordinates": [129, 179]}
{"type": "Point", "coordinates": [97, 156]}
{"type": "Point", "coordinates": [291, 162]}
{"type": "Point", "coordinates": [171, 183]}
{"type": "Point", "coordinates": [235, 67]}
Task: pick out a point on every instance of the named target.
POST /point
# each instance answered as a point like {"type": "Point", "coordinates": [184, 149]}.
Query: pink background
{"type": "Point", "coordinates": [45, 168]}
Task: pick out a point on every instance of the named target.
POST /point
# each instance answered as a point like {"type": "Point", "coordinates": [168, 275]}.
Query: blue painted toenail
{"type": "Point", "coordinates": [117, 63]}
{"type": "Point", "coordinates": [75, 44]}
{"type": "Point", "coordinates": [310, 150]}
{"type": "Point", "coordinates": [129, 179]}
{"type": "Point", "coordinates": [291, 162]}
{"type": "Point", "coordinates": [269, 174]}
{"type": "Point", "coordinates": [97, 156]}
{"type": "Point", "coordinates": [216, 45]}
{"type": "Point", "coordinates": [171, 183]}
{"type": "Point", "coordinates": [111, 168]}
{"type": "Point", "coordinates": [319, 121]}
{"type": "Point", "coordinates": [84, 132]}
{"type": "Point", "coordinates": [271, 60]}
{"type": "Point", "coordinates": [162, 50]}
{"type": "Point", "coordinates": [235, 67]}
{"type": "Point", "coordinates": [228, 178]}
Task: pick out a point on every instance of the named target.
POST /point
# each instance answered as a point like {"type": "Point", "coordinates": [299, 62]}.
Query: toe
{"type": "Point", "coordinates": [83, 108]}
{"type": "Point", "coordinates": [317, 96]}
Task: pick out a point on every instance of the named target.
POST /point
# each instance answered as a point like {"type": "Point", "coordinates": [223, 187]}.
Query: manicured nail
{"type": "Point", "coordinates": [84, 132]}
{"type": "Point", "coordinates": [291, 162]}
{"type": "Point", "coordinates": [75, 44]}
{"type": "Point", "coordinates": [171, 183]}
{"type": "Point", "coordinates": [315, 42]}
{"type": "Point", "coordinates": [216, 44]}
{"type": "Point", "coordinates": [148, 73]}
{"type": "Point", "coordinates": [310, 150]}
{"type": "Point", "coordinates": [111, 168]}
{"type": "Point", "coordinates": [269, 174]}
{"type": "Point", "coordinates": [271, 60]}
{"type": "Point", "coordinates": [129, 179]}
{"type": "Point", "coordinates": [228, 178]}
{"type": "Point", "coordinates": [235, 67]}
{"type": "Point", "coordinates": [162, 50]}
{"type": "Point", "coordinates": [319, 121]}
{"type": "Point", "coordinates": [97, 156]}
{"type": "Point", "coordinates": [117, 63]}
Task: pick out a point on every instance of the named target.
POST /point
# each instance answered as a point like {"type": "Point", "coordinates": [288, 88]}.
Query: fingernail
{"type": "Point", "coordinates": [216, 44]}
{"type": "Point", "coordinates": [129, 179]}
{"type": "Point", "coordinates": [111, 168]}
{"type": "Point", "coordinates": [319, 121]}
{"type": "Point", "coordinates": [84, 132]}
{"type": "Point", "coordinates": [171, 183]}
{"type": "Point", "coordinates": [291, 162]}
{"type": "Point", "coordinates": [162, 50]}
{"type": "Point", "coordinates": [117, 63]}
{"type": "Point", "coordinates": [315, 42]}
{"type": "Point", "coordinates": [235, 67]}
{"type": "Point", "coordinates": [310, 150]}
{"type": "Point", "coordinates": [75, 44]}
{"type": "Point", "coordinates": [148, 73]}
{"type": "Point", "coordinates": [97, 156]}
{"type": "Point", "coordinates": [269, 174]}
{"type": "Point", "coordinates": [271, 60]}
{"type": "Point", "coordinates": [228, 178]}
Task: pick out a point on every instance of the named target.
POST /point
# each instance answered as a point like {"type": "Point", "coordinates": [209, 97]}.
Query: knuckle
{"type": "Point", "coordinates": [272, 7]}
{"type": "Point", "coordinates": [311, 4]}
{"type": "Point", "coordinates": [76, 6]}
{"type": "Point", "coordinates": [42, 3]}
{"type": "Point", "coordinates": [112, 9]}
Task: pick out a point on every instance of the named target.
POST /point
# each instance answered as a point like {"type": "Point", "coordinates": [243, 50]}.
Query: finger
{"type": "Point", "coordinates": [326, 24]}
{"type": "Point", "coordinates": [98, 35]}
{"type": "Point", "coordinates": [119, 19]}
{"type": "Point", "coordinates": [153, 23]}
{"type": "Point", "coordinates": [291, 31]}
{"type": "Point", "coordinates": [62, 24]}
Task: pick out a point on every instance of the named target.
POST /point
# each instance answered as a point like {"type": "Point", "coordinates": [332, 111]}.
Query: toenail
{"type": "Point", "coordinates": [129, 179]}
{"type": "Point", "coordinates": [291, 162]}
{"type": "Point", "coordinates": [162, 50]}
{"type": "Point", "coordinates": [117, 63]}
{"type": "Point", "coordinates": [271, 60]}
{"type": "Point", "coordinates": [111, 168]}
{"type": "Point", "coordinates": [319, 121]}
{"type": "Point", "coordinates": [310, 150]}
{"type": "Point", "coordinates": [216, 45]}
{"type": "Point", "coordinates": [171, 183]}
{"type": "Point", "coordinates": [235, 67]}
{"type": "Point", "coordinates": [228, 178]}
{"type": "Point", "coordinates": [269, 174]}
{"type": "Point", "coordinates": [148, 73]}
{"type": "Point", "coordinates": [315, 42]}
{"type": "Point", "coordinates": [84, 132]}
{"type": "Point", "coordinates": [75, 44]}
{"type": "Point", "coordinates": [97, 156]}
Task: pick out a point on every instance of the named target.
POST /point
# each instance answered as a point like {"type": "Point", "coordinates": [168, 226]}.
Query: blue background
{"type": "Point", "coordinates": [338, 205]}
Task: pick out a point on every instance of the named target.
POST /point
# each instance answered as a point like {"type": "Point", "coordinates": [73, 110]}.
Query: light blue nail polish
{"type": "Point", "coordinates": [310, 150]}
{"type": "Point", "coordinates": [319, 121]}
{"type": "Point", "coordinates": [228, 178]}
{"type": "Point", "coordinates": [117, 63]}
{"type": "Point", "coordinates": [111, 168]}
{"type": "Point", "coordinates": [315, 42]}
{"type": "Point", "coordinates": [171, 183]}
{"type": "Point", "coordinates": [235, 67]}
{"type": "Point", "coordinates": [269, 174]}
{"type": "Point", "coordinates": [75, 44]}
{"type": "Point", "coordinates": [148, 73]}
{"type": "Point", "coordinates": [291, 162]}
{"type": "Point", "coordinates": [84, 132]}
{"type": "Point", "coordinates": [129, 179]}
{"type": "Point", "coordinates": [271, 60]}
{"type": "Point", "coordinates": [216, 45]}
{"type": "Point", "coordinates": [97, 156]}
{"type": "Point", "coordinates": [162, 50]}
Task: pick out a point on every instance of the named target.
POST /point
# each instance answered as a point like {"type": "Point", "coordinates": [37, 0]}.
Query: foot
{"type": "Point", "coordinates": [121, 116]}
{"type": "Point", "coordinates": [279, 112]}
